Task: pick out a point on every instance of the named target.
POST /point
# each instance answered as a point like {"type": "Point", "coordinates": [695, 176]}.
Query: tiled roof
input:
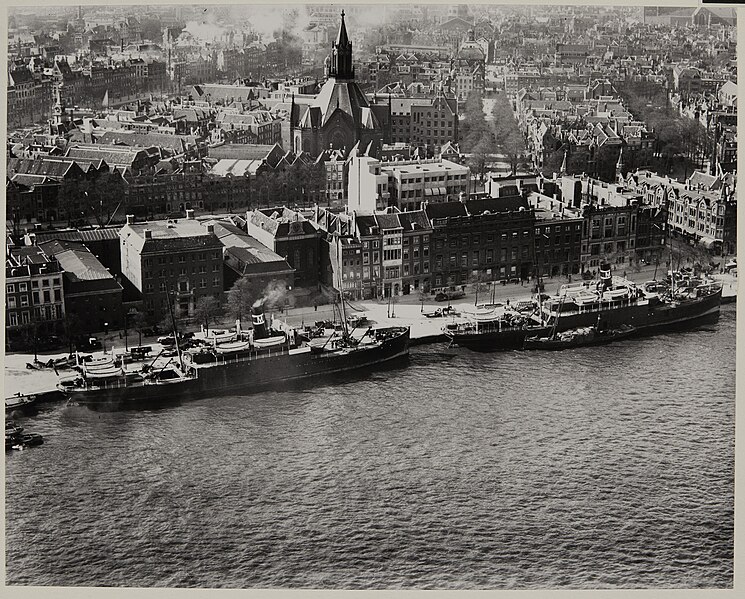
{"type": "Point", "coordinates": [501, 204]}
{"type": "Point", "coordinates": [244, 151]}
{"type": "Point", "coordinates": [445, 210]}
{"type": "Point", "coordinates": [82, 265]}
{"type": "Point", "coordinates": [112, 155]}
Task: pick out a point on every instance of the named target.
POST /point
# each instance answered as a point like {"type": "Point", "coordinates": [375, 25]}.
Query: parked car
{"type": "Point", "coordinates": [88, 343]}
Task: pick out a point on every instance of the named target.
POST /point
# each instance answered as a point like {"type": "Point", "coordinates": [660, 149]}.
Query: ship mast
{"type": "Point", "coordinates": [175, 331]}
{"type": "Point", "coordinates": [338, 237]}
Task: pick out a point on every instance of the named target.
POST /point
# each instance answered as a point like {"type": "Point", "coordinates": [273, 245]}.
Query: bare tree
{"type": "Point", "coordinates": [207, 310]}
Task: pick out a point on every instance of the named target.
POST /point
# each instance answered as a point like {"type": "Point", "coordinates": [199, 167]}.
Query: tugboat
{"type": "Point", "coordinates": [679, 302]}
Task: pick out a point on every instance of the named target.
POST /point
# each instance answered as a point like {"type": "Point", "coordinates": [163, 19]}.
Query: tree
{"type": "Point", "coordinates": [139, 322]}
{"type": "Point", "coordinates": [480, 154]}
{"type": "Point", "coordinates": [207, 310]}
{"type": "Point", "coordinates": [474, 124]}
{"type": "Point", "coordinates": [507, 136]}
{"type": "Point", "coordinates": [167, 323]}
{"type": "Point", "coordinates": [240, 298]}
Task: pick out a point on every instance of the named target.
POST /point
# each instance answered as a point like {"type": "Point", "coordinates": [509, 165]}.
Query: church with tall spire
{"type": "Point", "coordinates": [340, 116]}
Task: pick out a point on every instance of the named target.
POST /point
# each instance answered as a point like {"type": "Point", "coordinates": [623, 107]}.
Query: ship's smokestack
{"type": "Point", "coordinates": [605, 275]}
{"type": "Point", "coordinates": [258, 321]}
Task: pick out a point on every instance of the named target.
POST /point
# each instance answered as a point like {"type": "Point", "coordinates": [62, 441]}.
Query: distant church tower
{"type": "Point", "coordinates": [340, 116]}
{"type": "Point", "coordinates": [340, 66]}
{"type": "Point", "coordinates": [620, 166]}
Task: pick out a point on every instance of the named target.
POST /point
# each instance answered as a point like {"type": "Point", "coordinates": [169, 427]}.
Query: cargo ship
{"type": "Point", "coordinates": [611, 302]}
{"type": "Point", "coordinates": [239, 363]}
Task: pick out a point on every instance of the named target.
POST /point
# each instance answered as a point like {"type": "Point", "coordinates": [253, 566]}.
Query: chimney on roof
{"type": "Point", "coordinates": [130, 219]}
{"type": "Point", "coordinates": [210, 228]}
{"type": "Point", "coordinates": [148, 234]}
{"type": "Point", "coordinates": [189, 214]}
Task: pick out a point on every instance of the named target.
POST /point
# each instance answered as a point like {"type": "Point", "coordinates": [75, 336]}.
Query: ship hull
{"type": "Point", "coordinates": [247, 376]}
{"type": "Point", "coordinates": [646, 318]}
{"type": "Point", "coordinates": [649, 318]}
{"type": "Point", "coordinates": [548, 344]}
{"type": "Point", "coordinates": [503, 340]}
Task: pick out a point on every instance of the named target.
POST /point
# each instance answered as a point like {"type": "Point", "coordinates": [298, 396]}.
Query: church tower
{"type": "Point", "coordinates": [341, 54]}
{"type": "Point", "coordinates": [340, 116]}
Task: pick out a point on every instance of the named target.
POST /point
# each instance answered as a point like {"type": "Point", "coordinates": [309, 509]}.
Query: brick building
{"type": "Point", "coordinates": [180, 256]}
{"type": "Point", "coordinates": [481, 240]}
{"type": "Point", "coordinates": [34, 298]}
{"type": "Point", "coordinates": [292, 236]}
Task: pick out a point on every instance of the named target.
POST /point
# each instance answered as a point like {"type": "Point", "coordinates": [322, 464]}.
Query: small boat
{"type": "Point", "coordinates": [16, 439]}
{"type": "Point", "coordinates": [28, 440]}
{"type": "Point", "coordinates": [270, 341]}
{"type": "Point", "coordinates": [580, 337]}
{"type": "Point", "coordinates": [232, 347]}
{"type": "Point", "coordinates": [19, 402]}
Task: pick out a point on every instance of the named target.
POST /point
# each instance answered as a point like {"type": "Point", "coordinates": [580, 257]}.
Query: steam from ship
{"type": "Point", "coordinates": [257, 319]}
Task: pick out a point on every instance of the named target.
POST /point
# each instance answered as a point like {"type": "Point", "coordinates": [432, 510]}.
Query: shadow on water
{"type": "Point", "coordinates": [304, 385]}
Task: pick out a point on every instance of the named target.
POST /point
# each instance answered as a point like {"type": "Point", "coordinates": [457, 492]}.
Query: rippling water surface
{"type": "Point", "coordinates": [607, 467]}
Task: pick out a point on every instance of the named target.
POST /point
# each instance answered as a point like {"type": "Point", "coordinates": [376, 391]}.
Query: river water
{"type": "Point", "coordinates": [608, 467]}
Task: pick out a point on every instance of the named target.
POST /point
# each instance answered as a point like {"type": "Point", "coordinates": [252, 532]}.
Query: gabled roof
{"type": "Point", "coordinates": [50, 168]}
{"type": "Point", "coordinates": [271, 153]}
{"type": "Point", "coordinates": [388, 221]}
{"type": "Point", "coordinates": [414, 221]}
{"type": "Point", "coordinates": [341, 95]}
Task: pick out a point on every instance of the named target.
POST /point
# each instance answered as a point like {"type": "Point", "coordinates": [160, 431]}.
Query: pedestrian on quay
{"type": "Point", "coordinates": [315, 308]}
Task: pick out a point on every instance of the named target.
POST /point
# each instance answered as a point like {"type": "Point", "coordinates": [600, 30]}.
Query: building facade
{"type": "Point", "coordinates": [178, 259]}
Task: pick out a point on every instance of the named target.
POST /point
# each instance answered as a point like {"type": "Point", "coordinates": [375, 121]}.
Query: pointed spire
{"type": "Point", "coordinates": [341, 54]}
{"type": "Point", "coordinates": [563, 169]}
{"type": "Point", "coordinates": [620, 165]}
{"type": "Point", "coordinates": [342, 39]}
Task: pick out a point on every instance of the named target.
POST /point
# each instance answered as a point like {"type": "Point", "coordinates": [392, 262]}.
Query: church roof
{"type": "Point", "coordinates": [347, 97]}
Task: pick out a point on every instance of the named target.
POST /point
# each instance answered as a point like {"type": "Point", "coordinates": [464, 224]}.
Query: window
{"type": "Point", "coordinates": [57, 295]}
{"type": "Point", "coordinates": [216, 282]}
{"type": "Point", "coordinates": [45, 283]}
{"type": "Point", "coordinates": [11, 302]}
{"type": "Point", "coordinates": [10, 288]}
{"type": "Point", "coordinates": [22, 287]}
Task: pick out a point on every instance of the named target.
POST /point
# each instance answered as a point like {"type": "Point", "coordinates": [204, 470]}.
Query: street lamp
{"type": "Point", "coordinates": [105, 331]}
